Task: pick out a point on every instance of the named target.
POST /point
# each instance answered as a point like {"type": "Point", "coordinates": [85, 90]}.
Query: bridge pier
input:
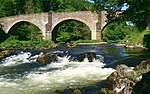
{"type": "Point", "coordinates": [48, 35]}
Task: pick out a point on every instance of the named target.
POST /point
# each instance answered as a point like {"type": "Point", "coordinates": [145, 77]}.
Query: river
{"type": "Point", "coordinates": [21, 74]}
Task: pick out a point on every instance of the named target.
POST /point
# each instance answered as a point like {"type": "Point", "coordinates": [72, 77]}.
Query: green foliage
{"type": "Point", "coordinates": [136, 37]}
{"type": "Point", "coordinates": [71, 31]}
{"type": "Point", "coordinates": [138, 11]}
{"type": "Point", "coordinates": [6, 8]}
{"type": "Point", "coordinates": [117, 31]}
{"type": "Point", "coordinates": [73, 5]}
{"type": "Point", "coordinates": [25, 31]}
{"type": "Point", "coordinates": [13, 41]}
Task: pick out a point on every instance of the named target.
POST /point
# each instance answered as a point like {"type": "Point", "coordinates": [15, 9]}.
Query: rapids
{"type": "Point", "coordinates": [21, 74]}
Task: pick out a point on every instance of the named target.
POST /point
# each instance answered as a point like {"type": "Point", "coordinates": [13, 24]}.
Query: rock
{"type": "Point", "coordinates": [5, 53]}
{"type": "Point", "coordinates": [125, 80]}
{"type": "Point", "coordinates": [124, 70]}
{"type": "Point", "coordinates": [78, 91]}
{"type": "Point", "coordinates": [46, 58]}
{"type": "Point", "coordinates": [71, 45]}
{"type": "Point", "coordinates": [143, 65]}
{"type": "Point", "coordinates": [106, 91]}
{"type": "Point", "coordinates": [90, 56]}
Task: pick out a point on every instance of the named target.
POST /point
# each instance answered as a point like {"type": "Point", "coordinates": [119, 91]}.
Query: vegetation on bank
{"type": "Point", "coordinates": [87, 41]}
{"type": "Point", "coordinates": [13, 42]}
{"type": "Point", "coordinates": [138, 37]}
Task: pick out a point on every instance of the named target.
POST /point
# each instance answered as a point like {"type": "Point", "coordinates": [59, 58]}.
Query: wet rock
{"type": "Point", "coordinates": [78, 91]}
{"type": "Point", "coordinates": [106, 91]}
{"type": "Point", "coordinates": [46, 58]}
{"type": "Point", "coordinates": [125, 78]}
{"type": "Point", "coordinates": [143, 65]}
{"type": "Point", "coordinates": [5, 53]}
{"type": "Point", "coordinates": [71, 45]}
{"type": "Point", "coordinates": [90, 56]}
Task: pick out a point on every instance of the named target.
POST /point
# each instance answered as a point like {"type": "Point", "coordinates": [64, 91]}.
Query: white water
{"type": "Point", "coordinates": [46, 80]}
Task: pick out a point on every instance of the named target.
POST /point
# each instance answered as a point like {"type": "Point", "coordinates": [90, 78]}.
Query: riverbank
{"type": "Point", "coordinates": [125, 79]}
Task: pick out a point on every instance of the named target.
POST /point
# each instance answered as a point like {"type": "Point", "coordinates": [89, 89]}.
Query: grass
{"type": "Point", "coordinates": [87, 41]}
{"type": "Point", "coordinates": [12, 41]}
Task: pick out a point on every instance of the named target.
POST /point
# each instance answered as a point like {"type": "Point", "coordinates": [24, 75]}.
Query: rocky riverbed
{"type": "Point", "coordinates": [128, 80]}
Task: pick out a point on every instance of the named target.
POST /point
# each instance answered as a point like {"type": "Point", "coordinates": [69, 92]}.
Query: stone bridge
{"type": "Point", "coordinates": [46, 22]}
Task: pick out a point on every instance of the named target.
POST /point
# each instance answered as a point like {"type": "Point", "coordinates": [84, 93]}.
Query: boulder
{"type": "Point", "coordinates": [5, 53]}
{"type": "Point", "coordinates": [46, 58]}
{"type": "Point", "coordinates": [90, 56]}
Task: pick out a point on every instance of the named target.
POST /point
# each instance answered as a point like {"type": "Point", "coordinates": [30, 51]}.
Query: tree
{"type": "Point", "coordinates": [71, 31]}
{"type": "Point", "coordinates": [74, 5]}
{"type": "Point", "coordinates": [138, 11]}
{"type": "Point", "coordinates": [32, 6]}
{"type": "Point", "coordinates": [117, 31]}
{"type": "Point", "coordinates": [6, 8]}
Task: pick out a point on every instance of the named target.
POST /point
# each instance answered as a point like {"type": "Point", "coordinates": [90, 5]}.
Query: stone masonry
{"type": "Point", "coordinates": [46, 22]}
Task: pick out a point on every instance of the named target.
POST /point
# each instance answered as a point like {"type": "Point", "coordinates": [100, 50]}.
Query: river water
{"type": "Point", "coordinates": [21, 74]}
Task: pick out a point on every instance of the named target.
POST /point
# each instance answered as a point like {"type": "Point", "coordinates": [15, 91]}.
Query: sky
{"type": "Point", "coordinates": [124, 6]}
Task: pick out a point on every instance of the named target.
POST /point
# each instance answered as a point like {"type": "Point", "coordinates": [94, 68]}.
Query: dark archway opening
{"type": "Point", "coordinates": [25, 31]}
{"type": "Point", "coordinates": [3, 36]}
{"type": "Point", "coordinates": [71, 30]}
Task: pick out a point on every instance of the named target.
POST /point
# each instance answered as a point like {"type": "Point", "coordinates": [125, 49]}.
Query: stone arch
{"type": "Point", "coordinates": [19, 22]}
{"type": "Point", "coordinates": [65, 20]}
{"type": "Point", "coordinates": [69, 18]}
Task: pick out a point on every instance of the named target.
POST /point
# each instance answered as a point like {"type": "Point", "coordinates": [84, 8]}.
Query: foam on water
{"type": "Point", "coordinates": [22, 57]}
{"type": "Point", "coordinates": [55, 76]}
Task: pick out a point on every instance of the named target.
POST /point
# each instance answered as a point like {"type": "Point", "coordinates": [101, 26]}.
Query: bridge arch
{"type": "Point", "coordinates": [75, 19]}
{"type": "Point", "coordinates": [18, 23]}
{"type": "Point", "coordinates": [56, 25]}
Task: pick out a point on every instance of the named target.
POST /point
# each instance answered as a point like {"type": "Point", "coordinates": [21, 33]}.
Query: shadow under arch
{"type": "Point", "coordinates": [3, 35]}
{"type": "Point", "coordinates": [55, 32]}
{"type": "Point", "coordinates": [17, 29]}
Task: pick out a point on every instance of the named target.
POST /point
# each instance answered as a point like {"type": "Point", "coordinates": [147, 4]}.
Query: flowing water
{"type": "Point", "coordinates": [21, 74]}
